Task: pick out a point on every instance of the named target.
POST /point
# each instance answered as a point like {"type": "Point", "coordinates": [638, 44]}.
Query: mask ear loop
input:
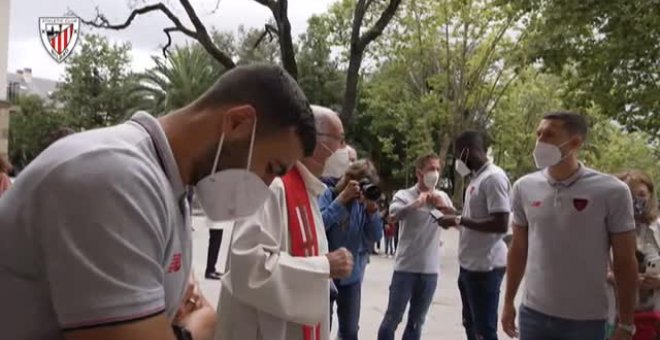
{"type": "Point", "coordinates": [254, 130]}
{"type": "Point", "coordinates": [217, 154]}
{"type": "Point", "coordinates": [460, 157]}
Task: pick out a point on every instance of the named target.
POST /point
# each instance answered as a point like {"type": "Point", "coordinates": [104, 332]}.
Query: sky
{"type": "Point", "coordinates": [145, 34]}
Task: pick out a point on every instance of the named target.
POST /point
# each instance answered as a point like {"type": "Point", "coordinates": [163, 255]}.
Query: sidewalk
{"type": "Point", "coordinates": [442, 322]}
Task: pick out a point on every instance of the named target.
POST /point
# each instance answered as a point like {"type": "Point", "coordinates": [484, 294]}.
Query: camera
{"type": "Point", "coordinates": [370, 191]}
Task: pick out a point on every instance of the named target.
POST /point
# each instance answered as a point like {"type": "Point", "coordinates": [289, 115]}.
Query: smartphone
{"type": "Point", "coordinates": [436, 214]}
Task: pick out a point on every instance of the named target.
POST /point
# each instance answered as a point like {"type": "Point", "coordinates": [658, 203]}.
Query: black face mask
{"type": "Point", "coordinates": [639, 206]}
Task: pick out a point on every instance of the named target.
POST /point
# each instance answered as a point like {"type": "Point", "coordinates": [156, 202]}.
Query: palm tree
{"type": "Point", "coordinates": [179, 79]}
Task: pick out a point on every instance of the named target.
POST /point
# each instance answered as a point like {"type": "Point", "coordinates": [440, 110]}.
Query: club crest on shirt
{"type": "Point", "coordinates": [580, 203]}
{"type": "Point", "coordinates": [536, 204]}
{"type": "Point", "coordinates": [175, 264]}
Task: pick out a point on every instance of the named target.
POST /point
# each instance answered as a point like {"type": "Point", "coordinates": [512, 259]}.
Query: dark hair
{"type": "Point", "coordinates": [423, 159]}
{"type": "Point", "coordinates": [473, 139]}
{"type": "Point", "coordinates": [574, 123]}
{"type": "Point", "coordinates": [274, 94]}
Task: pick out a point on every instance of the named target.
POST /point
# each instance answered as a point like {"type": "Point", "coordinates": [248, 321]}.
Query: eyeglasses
{"type": "Point", "coordinates": [339, 138]}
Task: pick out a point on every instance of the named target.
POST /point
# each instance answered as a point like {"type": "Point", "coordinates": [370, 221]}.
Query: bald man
{"type": "Point", "coordinates": [279, 269]}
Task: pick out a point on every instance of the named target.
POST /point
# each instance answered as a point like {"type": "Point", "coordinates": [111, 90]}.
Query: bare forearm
{"type": "Point", "coordinates": [624, 266]}
{"type": "Point", "coordinates": [626, 284]}
{"type": "Point", "coordinates": [515, 270]}
{"type": "Point", "coordinates": [490, 224]}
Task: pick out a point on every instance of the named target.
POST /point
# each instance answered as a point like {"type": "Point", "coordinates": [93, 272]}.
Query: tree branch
{"type": "Point", "coordinates": [268, 29]}
{"type": "Point", "coordinates": [490, 111]}
{"type": "Point", "coordinates": [217, 5]}
{"type": "Point", "coordinates": [169, 40]}
{"type": "Point", "coordinates": [268, 3]}
{"type": "Point", "coordinates": [200, 33]}
{"type": "Point", "coordinates": [204, 38]}
{"type": "Point", "coordinates": [380, 24]}
{"type": "Point", "coordinates": [100, 21]}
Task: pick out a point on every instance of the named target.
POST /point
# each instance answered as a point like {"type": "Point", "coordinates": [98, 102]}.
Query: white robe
{"type": "Point", "coordinates": [267, 293]}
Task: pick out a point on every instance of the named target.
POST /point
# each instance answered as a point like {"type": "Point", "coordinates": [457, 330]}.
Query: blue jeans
{"type": "Point", "coordinates": [348, 309]}
{"type": "Point", "coordinates": [480, 293]}
{"type": "Point", "coordinates": [418, 289]}
{"type": "Point", "coordinates": [538, 326]}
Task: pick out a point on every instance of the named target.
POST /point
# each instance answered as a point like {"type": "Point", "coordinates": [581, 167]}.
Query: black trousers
{"type": "Point", "coordinates": [215, 239]}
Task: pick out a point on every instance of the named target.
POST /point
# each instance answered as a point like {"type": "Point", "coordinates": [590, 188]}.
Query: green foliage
{"type": "Point", "coordinates": [98, 88]}
{"type": "Point", "coordinates": [319, 74]}
{"type": "Point", "coordinates": [612, 52]}
{"type": "Point", "coordinates": [517, 116]}
{"type": "Point", "coordinates": [32, 125]}
{"type": "Point", "coordinates": [178, 80]}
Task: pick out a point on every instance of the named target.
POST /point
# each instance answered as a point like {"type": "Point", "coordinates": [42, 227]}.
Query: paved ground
{"type": "Point", "coordinates": [444, 318]}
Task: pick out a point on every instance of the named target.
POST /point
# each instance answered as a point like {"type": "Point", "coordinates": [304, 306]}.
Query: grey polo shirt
{"type": "Point", "coordinates": [486, 194]}
{"type": "Point", "coordinates": [94, 231]}
{"type": "Point", "coordinates": [418, 250]}
{"type": "Point", "coordinates": [569, 224]}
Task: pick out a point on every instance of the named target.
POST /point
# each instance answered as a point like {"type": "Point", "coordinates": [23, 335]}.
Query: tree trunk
{"type": "Point", "coordinates": [352, 78]}
{"type": "Point", "coordinates": [287, 52]}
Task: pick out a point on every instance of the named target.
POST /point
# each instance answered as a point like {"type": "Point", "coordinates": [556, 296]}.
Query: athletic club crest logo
{"type": "Point", "coordinates": [59, 36]}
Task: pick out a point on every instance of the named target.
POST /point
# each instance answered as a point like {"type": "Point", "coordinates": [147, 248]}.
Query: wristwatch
{"type": "Point", "coordinates": [630, 329]}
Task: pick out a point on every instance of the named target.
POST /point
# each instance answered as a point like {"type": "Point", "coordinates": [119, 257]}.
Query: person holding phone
{"type": "Point", "coordinates": [417, 259]}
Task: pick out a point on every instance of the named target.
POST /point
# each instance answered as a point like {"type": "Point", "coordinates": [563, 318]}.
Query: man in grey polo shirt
{"type": "Point", "coordinates": [95, 234]}
{"type": "Point", "coordinates": [418, 255]}
{"type": "Point", "coordinates": [566, 218]}
{"type": "Point", "coordinates": [483, 223]}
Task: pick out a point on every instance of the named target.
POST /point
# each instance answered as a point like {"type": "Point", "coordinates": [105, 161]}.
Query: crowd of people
{"type": "Point", "coordinates": [96, 232]}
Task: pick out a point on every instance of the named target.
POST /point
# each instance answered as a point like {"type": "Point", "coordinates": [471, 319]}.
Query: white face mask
{"type": "Point", "coordinates": [431, 179]}
{"type": "Point", "coordinates": [547, 155]}
{"type": "Point", "coordinates": [460, 166]}
{"type": "Point", "coordinates": [337, 164]}
{"type": "Point", "coordinates": [233, 193]}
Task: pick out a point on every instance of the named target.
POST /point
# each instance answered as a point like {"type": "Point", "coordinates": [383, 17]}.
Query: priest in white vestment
{"type": "Point", "coordinates": [278, 273]}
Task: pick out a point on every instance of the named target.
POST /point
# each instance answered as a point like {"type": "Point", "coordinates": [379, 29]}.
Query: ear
{"type": "Point", "coordinates": [239, 120]}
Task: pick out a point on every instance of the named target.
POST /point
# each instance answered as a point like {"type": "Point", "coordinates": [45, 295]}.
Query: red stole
{"type": "Point", "coordinates": [302, 230]}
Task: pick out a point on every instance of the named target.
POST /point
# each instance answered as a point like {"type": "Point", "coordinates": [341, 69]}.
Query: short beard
{"type": "Point", "coordinates": [233, 156]}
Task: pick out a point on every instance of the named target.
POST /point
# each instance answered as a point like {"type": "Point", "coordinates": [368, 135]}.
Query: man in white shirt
{"type": "Point", "coordinates": [95, 236]}
{"type": "Point", "coordinates": [417, 260]}
{"type": "Point", "coordinates": [483, 223]}
{"type": "Point", "coordinates": [278, 281]}
{"type": "Point", "coordinates": [567, 220]}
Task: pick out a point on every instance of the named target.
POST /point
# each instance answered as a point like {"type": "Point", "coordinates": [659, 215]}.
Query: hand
{"type": "Point", "coordinates": [422, 200]}
{"type": "Point", "coordinates": [341, 263]}
{"type": "Point", "coordinates": [610, 277]}
{"type": "Point", "coordinates": [195, 313]}
{"type": "Point", "coordinates": [649, 282]}
{"type": "Point", "coordinates": [439, 203]}
{"type": "Point", "coordinates": [371, 206]}
{"type": "Point", "coordinates": [620, 334]}
{"type": "Point", "coordinates": [350, 192]}
{"type": "Point", "coordinates": [200, 322]}
{"type": "Point", "coordinates": [448, 221]}
{"type": "Point", "coordinates": [191, 299]}
{"type": "Point", "coordinates": [509, 320]}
